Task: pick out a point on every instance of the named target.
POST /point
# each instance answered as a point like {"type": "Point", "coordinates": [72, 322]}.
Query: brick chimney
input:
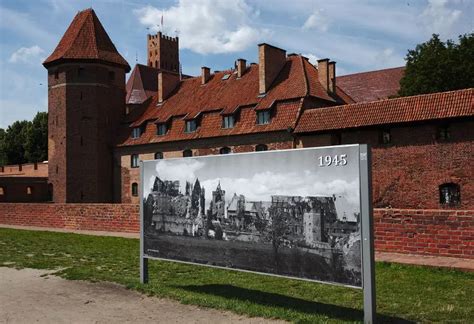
{"type": "Point", "coordinates": [167, 82]}
{"type": "Point", "coordinates": [241, 66]}
{"type": "Point", "coordinates": [271, 60]}
{"type": "Point", "coordinates": [323, 73]}
{"type": "Point", "coordinates": [205, 74]}
{"type": "Point", "coordinates": [332, 76]}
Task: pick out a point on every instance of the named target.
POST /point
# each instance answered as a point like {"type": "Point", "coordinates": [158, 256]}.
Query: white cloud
{"type": "Point", "coordinates": [206, 26]}
{"type": "Point", "coordinates": [317, 20]}
{"type": "Point", "coordinates": [313, 59]}
{"type": "Point", "coordinates": [31, 54]}
{"type": "Point", "coordinates": [439, 18]}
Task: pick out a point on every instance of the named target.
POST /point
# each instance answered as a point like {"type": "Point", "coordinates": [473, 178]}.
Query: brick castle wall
{"type": "Point", "coordinates": [416, 231]}
{"type": "Point", "coordinates": [96, 217]}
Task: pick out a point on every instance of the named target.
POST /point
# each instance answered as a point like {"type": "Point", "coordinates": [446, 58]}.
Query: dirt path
{"type": "Point", "coordinates": [28, 296]}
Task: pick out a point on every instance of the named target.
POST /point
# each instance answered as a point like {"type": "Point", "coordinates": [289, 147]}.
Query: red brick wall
{"type": "Point", "coordinates": [39, 169]}
{"type": "Point", "coordinates": [96, 217]}
{"type": "Point", "coordinates": [430, 231]}
{"type": "Point", "coordinates": [415, 231]}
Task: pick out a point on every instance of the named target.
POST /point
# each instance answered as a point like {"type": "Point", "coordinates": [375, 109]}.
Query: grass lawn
{"type": "Point", "coordinates": [404, 293]}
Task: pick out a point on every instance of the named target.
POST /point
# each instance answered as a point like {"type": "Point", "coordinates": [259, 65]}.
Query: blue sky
{"type": "Point", "coordinates": [359, 35]}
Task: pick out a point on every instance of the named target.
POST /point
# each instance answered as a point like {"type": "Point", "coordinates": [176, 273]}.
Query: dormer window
{"type": "Point", "coordinates": [136, 132]}
{"type": "Point", "coordinates": [191, 126]}
{"type": "Point", "coordinates": [228, 121]}
{"type": "Point", "coordinates": [161, 129]}
{"type": "Point", "coordinates": [263, 117]}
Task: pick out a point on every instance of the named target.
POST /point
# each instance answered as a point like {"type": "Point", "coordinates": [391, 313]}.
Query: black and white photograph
{"type": "Point", "coordinates": [292, 213]}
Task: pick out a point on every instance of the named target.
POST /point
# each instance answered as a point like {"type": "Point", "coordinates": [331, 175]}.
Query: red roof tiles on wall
{"type": "Point", "coordinates": [441, 105]}
{"type": "Point", "coordinates": [371, 86]}
{"type": "Point", "coordinates": [86, 39]}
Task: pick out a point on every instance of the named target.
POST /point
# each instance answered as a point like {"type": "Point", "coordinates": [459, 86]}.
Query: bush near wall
{"type": "Point", "coordinates": [416, 231]}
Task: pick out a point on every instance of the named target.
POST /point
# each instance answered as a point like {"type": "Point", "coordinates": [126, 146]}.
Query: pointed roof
{"type": "Point", "coordinates": [86, 39]}
{"type": "Point", "coordinates": [142, 84]}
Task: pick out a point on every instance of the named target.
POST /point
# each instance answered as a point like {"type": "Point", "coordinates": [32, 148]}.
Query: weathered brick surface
{"type": "Point", "coordinates": [425, 231]}
{"type": "Point", "coordinates": [414, 231]}
{"type": "Point", "coordinates": [96, 217]}
{"type": "Point", "coordinates": [24, 170]}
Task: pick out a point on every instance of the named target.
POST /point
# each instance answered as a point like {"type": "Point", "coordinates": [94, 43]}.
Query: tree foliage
{"type": "Point", "coordinates": [25, 141]}
{"type": "Point", "coordinates": [436, 66]}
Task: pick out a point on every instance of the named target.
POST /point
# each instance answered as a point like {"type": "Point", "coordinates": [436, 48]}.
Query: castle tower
{"type": "Point", "coordinates": [86, 100]}
{"type": "Point", "coordinates": [163, 52]}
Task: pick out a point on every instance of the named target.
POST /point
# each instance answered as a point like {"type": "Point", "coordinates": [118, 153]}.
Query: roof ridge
{"type": "Point", "coordinates": [372, 71]}
{"type": "Point", "coordinates": [94, 33]}
{"type": "Point", "coordinates": [397, 99]}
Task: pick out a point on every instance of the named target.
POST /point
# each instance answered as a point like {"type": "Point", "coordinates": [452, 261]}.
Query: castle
{"type": "Point", "coordinates": [101, 126]}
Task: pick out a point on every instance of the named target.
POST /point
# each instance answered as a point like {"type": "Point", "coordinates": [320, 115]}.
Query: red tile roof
{"type": "Point", "coordinates": [441, 105]}
{"type": "Point", "coordinates": [86, 39]}
{"type": "Point", "coordinates": [297, 79]}
{"type": "Point", "coordinates": [284, 116]}
{"type": "Point", "coordinates": [142, 84]}
{"type": "Point", "coordinates": [371, 86]}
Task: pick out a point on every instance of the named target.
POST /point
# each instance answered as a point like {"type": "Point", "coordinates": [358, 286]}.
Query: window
{"type": "Point", "coordinates": [136, 132]}
{"type": "Point", "coordinates": [191, 126]}
{"type": "Point", "coordinates": [443, 133]}
{"type": "Point", "coordinates": [225, 150]}
{"type": "Point", "coordinates": [111, 75]}
{"type": "Point", "coordinates": [2, 191]}
{"type": "Point", "coordinates": [385, 136]}
{"type": "Point", "coordinates": [187, 153]}
{"type": "Point", "coordinates": [135, 189]}
{"type": "Point", "coordinates": [134, 160]}
{"type": "Point", "coordinates": [449, 194]}
{"type": "Point", "coordinates": [158, 155]}
{"type": "Point", "coordinates": [228, 121]}
{"type": "Point", "coordinates": [161, 129]}
{"type": "Point", "coordinates": [261, 147]}
{"type": "Point", "coordinates": [263, 117]}
{"type": "Point", "coordinates": [29, 190]}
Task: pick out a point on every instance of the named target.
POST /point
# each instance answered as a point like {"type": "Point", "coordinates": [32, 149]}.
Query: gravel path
{"type": "Point", "coordinates": [28, 296]}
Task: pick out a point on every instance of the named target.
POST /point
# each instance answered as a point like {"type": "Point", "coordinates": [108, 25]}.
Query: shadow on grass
{"type": "Point", "coordinates": [287, 302]}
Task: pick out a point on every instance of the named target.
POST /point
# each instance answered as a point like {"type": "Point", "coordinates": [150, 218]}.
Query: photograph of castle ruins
{"type": "Point", "coordinates": [272, 212]}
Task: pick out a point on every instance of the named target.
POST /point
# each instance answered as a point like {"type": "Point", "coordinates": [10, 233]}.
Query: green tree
{"type": "Point", "coordinates": [3, 155]}
{"type": "Point", "coordinates": [36, 146]}
{"type": "Point", "coordinates": [14, 141]}
{"type": "Point", "coordinates": [435, 66]}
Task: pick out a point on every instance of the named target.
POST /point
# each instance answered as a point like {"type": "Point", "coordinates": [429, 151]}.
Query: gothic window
{"type": "Point", "coordinates": [158, 155]}
{"type": "Point", "coordinates": [385, 136]}
{"type": "Point", "coordinates": [228, 121]}
{"type": "Point", "coordinates": [443, 133]}
{"type": "Point", "coordinates": [263, 117]}
{"type": "Point", "coordinates": [2, 191]}
{"type": "Point", "coordinates": [187, 153]}
{"type": "Point", "coordinates": [136, 132]}
{"type": "Point", "coordinates": [29, 190]}
{"type": "Point", "coordinates": [225, 150]}
{"type": "Point", "coordinates": [261, 147]}
{"type": "Point", "coordinates": [161, 129]}
{"type": "Point", "coordinates": [191, 126]}
{"type": "Point", "coordinates": [135, 189]}
{"type": "Point", "coordinates": [449, 194]}
{"type": "Point", "coordinates": [134, 160]}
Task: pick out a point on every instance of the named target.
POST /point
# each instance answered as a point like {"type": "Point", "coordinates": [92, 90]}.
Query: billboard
{"type": "Point", "coordinates": [294, 213]}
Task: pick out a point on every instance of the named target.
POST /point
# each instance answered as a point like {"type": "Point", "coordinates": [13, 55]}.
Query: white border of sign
{"type": "Point", "coordinates": [368, 264]}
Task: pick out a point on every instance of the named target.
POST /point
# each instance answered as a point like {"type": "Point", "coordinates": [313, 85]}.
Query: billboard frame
{"type": "Point", "coordinates": [367, 239]}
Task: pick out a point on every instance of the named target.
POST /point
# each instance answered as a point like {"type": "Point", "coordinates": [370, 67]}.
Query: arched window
{"type": "Point", "coordinates": [29, 190]}
{"type": "Point", "coordinates": [158, 155]}
{"type": "Point", "coordinates": [261, 147]}
{"type": "Point", "coordinates": [449, 194]}
{"type": "Point", "coordinates": [187, 153]}
{"type": "Point", "coordinates": [134, 189]}
{"type": "Point", "coordinates": [2, 191]}
{"type": "Point", "coordinates": [134, 161]}
{"type": "Point", "coordinates": [225, 150]}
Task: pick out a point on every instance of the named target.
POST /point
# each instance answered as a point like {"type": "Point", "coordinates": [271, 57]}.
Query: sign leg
{"type": "Point", "coordinates": [143, 270]}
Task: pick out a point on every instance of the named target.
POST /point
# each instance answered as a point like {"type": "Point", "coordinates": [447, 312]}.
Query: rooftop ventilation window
{"type": "Point", "coordinates": [226, 76]}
